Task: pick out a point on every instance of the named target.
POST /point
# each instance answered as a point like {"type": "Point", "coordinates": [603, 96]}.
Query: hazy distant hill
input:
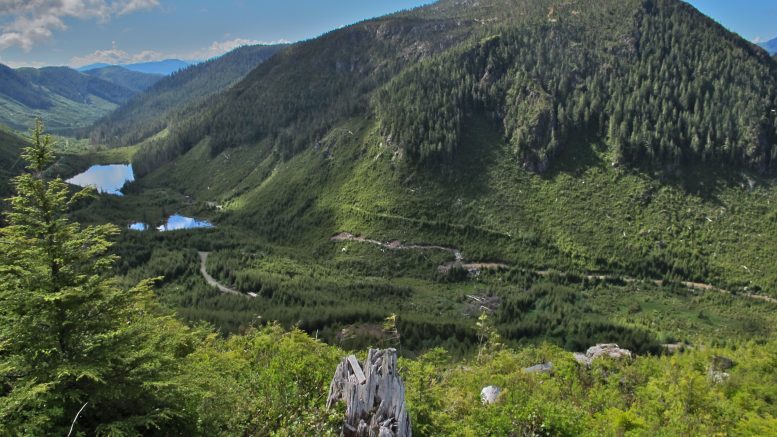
{"type": "Point", "coordinates": [770, 46]}
{"type": "Point", "coordinates": [129, 79]}
{"type": "Point", "coordinates": [165, 67]}
{"type": "Point", "coordinates": [63, 97]}
{"type": "Point", "coordinates": [148, 113]}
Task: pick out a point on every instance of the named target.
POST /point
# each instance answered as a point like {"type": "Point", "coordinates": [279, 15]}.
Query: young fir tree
{"type": "Point", "coordinates": [70, 338]}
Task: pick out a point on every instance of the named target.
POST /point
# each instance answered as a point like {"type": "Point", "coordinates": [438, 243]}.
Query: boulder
{"type": "Point", "coordinates": [490, 394]}
{"type": "Point", "coordinates": [540, 368]}
{"type": "Point", "coordinates": [718, 368]}
{"type": "Point", "coordinates": [601, 350]}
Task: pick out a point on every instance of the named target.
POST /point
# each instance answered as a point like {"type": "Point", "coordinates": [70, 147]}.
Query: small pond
{"type": "Point", "coordinates": [177, 222]}
{"type": "Point", "coordinates": [138, 227]}
{"type": "Point", "coordinates": [108, 179]}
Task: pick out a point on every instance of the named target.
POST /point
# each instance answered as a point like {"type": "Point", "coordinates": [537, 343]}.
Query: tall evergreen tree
{"type": "Point", "coordinates": [70, 337]}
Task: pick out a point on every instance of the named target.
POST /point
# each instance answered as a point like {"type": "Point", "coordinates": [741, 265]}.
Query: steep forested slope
{"type": "Point", "coordinates": [129, 79]}
{"type": "Point", "coordinates": [299, 94]}
{"type": "Point", "coordinates": [502, 131]}
{"type": "Point", "coordinates": [148, 113]}
{"type": "Point", "coordinates": [665, 85]}
{"type": "Point", "coordinates": [64, 97]}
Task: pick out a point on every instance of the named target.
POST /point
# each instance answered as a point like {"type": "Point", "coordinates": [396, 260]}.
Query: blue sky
{"type": "Point", "coordinates": [756, 20]}
{"type": "Point", "coordinates": [79, 32]}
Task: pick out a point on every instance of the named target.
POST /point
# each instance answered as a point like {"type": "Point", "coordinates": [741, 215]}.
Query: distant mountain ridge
{"type": "Point", "coordinates": [64, 97]}
{"type": "Point", "coordinates": [147, 114]}
{"type": "Point", "coordinates": [129, 79]}
{"type": "Point", "coordinates": [164, 67]}
{"type": "Point", "coordinates": [770, 46]}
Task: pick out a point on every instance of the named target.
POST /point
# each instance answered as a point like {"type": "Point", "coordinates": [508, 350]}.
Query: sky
{"type": "Point", "coordinates": [82, 32]}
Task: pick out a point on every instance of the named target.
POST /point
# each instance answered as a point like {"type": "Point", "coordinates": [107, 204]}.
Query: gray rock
{"type": "Point", "coordinates": [540, 368]}
{"type": "Point", "coordinates": [490, 394]}
{"type": "Point", "coordinates": [718, 369]}
{"type": "Point", "coordinates": [718, 377]}
{"type": "Point", "coordinates": [601, 350]}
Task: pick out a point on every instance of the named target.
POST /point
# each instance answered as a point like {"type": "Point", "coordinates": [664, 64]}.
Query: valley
{"type": "Point", "coordinates": [484, 188]}
{"type": "Point", "coordinates": [285, 253]}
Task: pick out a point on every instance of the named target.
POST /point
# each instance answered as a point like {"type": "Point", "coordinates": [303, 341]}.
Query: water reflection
{"type": "Point", "coordinates": [139, 226]}
{"type": "Point", "coordinates": [177, 222]}
{"type": "Point", "coordinates": [108, 179]}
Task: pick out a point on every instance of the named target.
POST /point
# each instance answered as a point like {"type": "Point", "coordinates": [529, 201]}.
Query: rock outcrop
{"type": "Point", "coordinates": [718, 371]}
{"type": "Point", "coordinates": [540, 368]}
{"type": "Point", "coordinates": [374, 395]}
{"type": "Point", "coordinates": [602, 350]}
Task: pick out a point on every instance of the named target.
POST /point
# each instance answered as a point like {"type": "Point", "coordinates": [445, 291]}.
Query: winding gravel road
{"type": "Point", "coordinates": [475, 267]}
{"type": "Point", "coordinates": [210, 280]}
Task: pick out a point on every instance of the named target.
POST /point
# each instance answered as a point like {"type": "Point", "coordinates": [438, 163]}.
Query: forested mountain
{"type": "Point", "coordinates": [129, 79]}
{"type": "Point", "coordinates": [662, 83]}
{"type": "Point", "coordinates": [148, 113]}
{"type": "Point", "coordinates": [65, 97]}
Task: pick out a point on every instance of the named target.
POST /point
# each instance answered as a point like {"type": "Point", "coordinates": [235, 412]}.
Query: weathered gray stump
{"type": "Point", "coordinates": [374, 395]}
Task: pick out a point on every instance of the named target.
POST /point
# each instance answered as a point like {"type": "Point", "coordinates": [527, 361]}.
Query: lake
{"type": "Point", "coordinates": [177, 222]}
{"type": "Point", "coordinates": [107, 179]}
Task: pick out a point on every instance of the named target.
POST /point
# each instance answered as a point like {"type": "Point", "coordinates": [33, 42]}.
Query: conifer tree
{"type": "Point", "coordinates": [70, 338]}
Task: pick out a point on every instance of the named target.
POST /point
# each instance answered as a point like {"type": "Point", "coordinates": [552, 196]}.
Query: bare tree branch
{"type": "Point", "coordinates": [76, 418]}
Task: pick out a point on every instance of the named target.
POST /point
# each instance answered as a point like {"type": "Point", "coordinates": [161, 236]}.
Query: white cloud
{"type": "Point", "coordinates": [136, 5]}
{"type": "Point", "coordinates": [29, 22]}
{"type": "Point", "coordinates": [115, 55]}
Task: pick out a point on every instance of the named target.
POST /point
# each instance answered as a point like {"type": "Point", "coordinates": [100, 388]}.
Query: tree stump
{"type": "Point", "coordinates": [374, 395]}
